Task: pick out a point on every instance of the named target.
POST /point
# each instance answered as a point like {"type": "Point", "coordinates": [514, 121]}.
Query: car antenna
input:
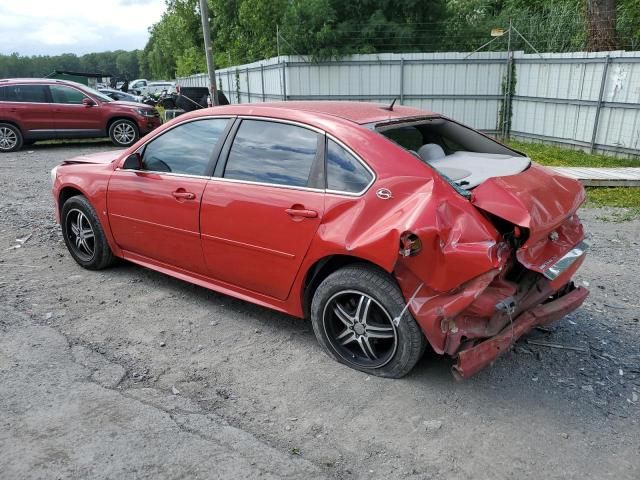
{"type": "Point", "coordinates": [390, 107]}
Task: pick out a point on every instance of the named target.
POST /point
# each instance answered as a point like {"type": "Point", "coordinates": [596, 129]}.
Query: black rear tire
{"type": "Point", "coordinates": [374, 343]}
{"type": "Point", "coordinates": [83, 234]}
{"type": "Point", "coordinates": [11, 138]}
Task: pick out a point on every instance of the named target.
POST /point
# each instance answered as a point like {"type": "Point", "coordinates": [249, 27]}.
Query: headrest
{"type": "Point", "coordinates": [430, 152]}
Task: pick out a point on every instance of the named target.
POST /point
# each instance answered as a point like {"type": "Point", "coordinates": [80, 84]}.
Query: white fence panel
{"type": "Point", "coordinates": [587, 100]}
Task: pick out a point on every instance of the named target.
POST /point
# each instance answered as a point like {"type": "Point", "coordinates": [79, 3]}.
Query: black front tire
{"type": "Point", "coordinates": [391, 350]}
{"type": "Point", "coordinates": [11, 138]}
{"type": "Point", "coordinates": [123, 132]}
{"type": "Point", "coordinates": [92, 250]}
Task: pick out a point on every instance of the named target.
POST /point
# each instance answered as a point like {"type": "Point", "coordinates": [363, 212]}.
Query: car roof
{"type": "Point", "coordinates": [49, 81]}
{"type": "Point", "coordinates": [357, 112]}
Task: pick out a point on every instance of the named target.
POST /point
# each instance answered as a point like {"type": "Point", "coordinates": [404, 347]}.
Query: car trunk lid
{"type": "Point", "coordinates": [541, 201]}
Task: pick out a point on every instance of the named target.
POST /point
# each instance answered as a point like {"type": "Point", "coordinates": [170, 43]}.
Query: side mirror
{"type": "Point", "coordinates": [87, 102]}
{"type": "Point", "coordinates": [133, 162]}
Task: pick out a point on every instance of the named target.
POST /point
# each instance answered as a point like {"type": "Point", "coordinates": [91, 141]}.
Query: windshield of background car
{"type": "Point", "coordinates": [96, 94]}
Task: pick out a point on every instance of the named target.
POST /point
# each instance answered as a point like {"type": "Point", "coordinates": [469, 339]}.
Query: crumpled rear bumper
{"type": "Point", "coordinates": [472, 360]}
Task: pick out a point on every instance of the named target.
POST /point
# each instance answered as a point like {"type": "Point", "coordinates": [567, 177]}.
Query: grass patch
{"type": "Point", "coordinates": [625, 199]}
{"type": "Point", "coordinates": [160, 110]}
{"type": "Point", "coordinates": [566, 157]}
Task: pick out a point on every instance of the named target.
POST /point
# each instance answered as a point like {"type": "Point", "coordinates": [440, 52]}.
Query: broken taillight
{"type": "Point", "coordinates": [410, 244]}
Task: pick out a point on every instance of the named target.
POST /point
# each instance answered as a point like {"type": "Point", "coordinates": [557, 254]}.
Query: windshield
{"type": "Point", "coordinates": [95, 93]}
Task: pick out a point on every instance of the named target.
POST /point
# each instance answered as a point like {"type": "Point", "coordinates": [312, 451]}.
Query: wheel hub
{"type": "Point", "coordinates": [80, 234]}
{"type": "Point", "coordinates": [360, 329]}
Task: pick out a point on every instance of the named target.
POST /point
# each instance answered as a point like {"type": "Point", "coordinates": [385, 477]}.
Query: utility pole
{"type": "Point", "coordinates": [506, 117]}
{"type": "Point", "coordinates": [208, 49]}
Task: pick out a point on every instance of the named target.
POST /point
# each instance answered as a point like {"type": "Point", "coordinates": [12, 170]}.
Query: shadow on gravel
{"type": "Point", "coordinates": [530, 374]}
{"type": "Point", "coordinates": [574, 366]}
{"type": "Point", "coordinates": [59, 144]}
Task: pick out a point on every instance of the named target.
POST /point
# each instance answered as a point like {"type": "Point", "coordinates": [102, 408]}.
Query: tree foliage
{"type": "Point", "coordinates": [118, 63]}
{"type": "Point", "coordinates": [245, 31]}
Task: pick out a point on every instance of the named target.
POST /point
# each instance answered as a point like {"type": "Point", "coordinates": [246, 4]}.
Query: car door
{"type": "Point", "coordinates": [28, 105]}
{"type": "Point", "coordinates": [72, 117]}
{"type": "Point", "coordinates": [263, 206]}
{"type": "Point", "coordinates": [154, 211]}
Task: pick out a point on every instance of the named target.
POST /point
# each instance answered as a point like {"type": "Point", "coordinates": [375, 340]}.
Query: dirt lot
{"type": "Point", "coordinates": [127, 373]}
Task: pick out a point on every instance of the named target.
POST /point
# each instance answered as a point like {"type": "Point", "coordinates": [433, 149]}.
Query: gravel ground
{"type": "Point", "coordinates": [130, 373]}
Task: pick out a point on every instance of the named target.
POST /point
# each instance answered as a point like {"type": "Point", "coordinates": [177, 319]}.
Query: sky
{"type": "Point", "coordinates": [52, 27]}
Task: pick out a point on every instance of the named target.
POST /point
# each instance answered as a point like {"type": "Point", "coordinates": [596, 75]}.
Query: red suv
{"type": "Point", "coordinates": [43, 109]}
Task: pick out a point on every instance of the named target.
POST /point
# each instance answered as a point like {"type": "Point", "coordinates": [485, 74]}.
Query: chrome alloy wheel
{"type": "Point", "coordinates": [8, 138]}
{"type": "Point", "coordinates": [360, 329]}
{"type": "Point", "coordinates": [80, 234]}
{"type": "Point", "coordinates": [124, 133]}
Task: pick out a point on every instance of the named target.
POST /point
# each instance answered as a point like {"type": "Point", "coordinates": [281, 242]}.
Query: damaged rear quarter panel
{"type": "Point", "coordinates": [461, 250]}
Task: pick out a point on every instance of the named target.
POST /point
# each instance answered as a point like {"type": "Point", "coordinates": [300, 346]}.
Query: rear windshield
{"type": "Point", "coordinates": [462, 155]}
{"type": "Point", "coordinates": [449, 135]}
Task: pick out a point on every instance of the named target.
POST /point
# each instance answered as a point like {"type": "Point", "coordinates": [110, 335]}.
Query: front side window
{"type": "Point", "coordinates": [271, 152]}
{"type": "Point", "coordinates": [344, 172]}
{"type": "Point", "coordinates": [68, 95]}
{"type": "Point", "coordinates": [185, 149]}
{"type": "Point", "coordinates": [24, 93]}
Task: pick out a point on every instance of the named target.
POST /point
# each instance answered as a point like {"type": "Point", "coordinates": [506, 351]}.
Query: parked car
{"type": "Point", "coordinates": [119, 95]}
{"type": "Point", "coordinates": [390, 228]}
{"type": "Point", "coordinates": [155, 88]}
{"type": "Point", "coordinates": [193, 98]}
{"type": "Point", "coordinates": [139, 86]}
{"type": "Point", "coordinates": [44, 109]}
{"type": "Point", "coordinates": [142, 86]}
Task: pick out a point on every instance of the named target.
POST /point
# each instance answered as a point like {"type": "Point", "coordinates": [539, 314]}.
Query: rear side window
{"type": "Point", "coordinates": [24, 93]}
{"type": "Point", "coordinates": [271, 152]}
{"type": "Point", "coordinates": [344, 172]}
{"type": "Point", "coordinates": [68, 95]}
{"type": "Point", "coordinates": [185, 149]}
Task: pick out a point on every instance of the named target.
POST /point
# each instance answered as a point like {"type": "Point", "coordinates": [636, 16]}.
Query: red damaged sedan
{"type": "Point", "coordinates": [390, 228]}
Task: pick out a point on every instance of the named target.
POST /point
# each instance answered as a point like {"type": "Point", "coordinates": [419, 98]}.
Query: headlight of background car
{"type": "Point", "coordinates": [54, 173]}
{"type": "Point", "coordinates": [147, 112]}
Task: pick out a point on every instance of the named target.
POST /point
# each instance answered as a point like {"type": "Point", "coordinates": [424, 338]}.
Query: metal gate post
{"type": "Point", "coordinates": [236, 82]}
{"type": "Point", "coordinates": [402, 81]}
{"type": "Point", "coordinates": [284, 81]}
{"type": "Point", "coordinates": [248, 88]}
{"type": "Point", "coordinates": [262, 79]}
{"type": "Point", "coordinates": [603, 83]}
